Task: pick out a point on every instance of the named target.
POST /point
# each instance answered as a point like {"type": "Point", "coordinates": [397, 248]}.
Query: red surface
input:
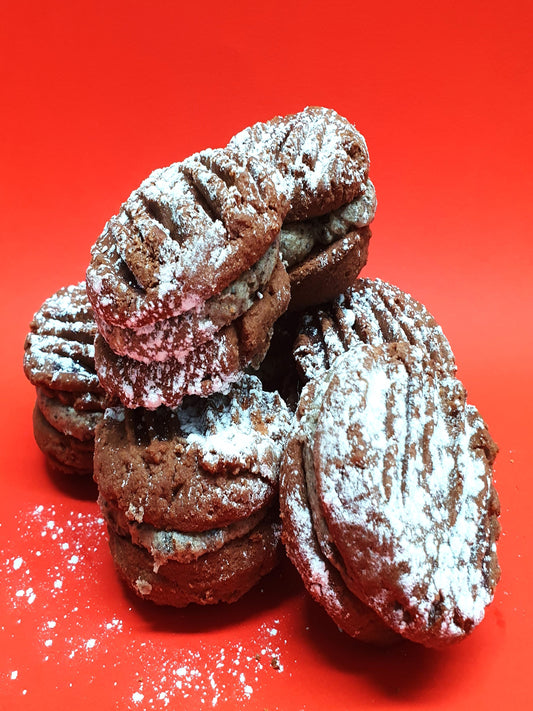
{"type": "Point", "coordinates": [97, 94]}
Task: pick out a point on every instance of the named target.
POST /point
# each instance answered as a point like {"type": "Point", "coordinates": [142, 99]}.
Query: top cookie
{"type": "Point", "coordinates": [317, 159]}
{"type": "Point", "coordinates": [184, 235]}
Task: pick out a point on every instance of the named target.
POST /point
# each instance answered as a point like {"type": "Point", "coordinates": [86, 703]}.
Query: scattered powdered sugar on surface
{"type": "Point", "coordinates": [56, 599]}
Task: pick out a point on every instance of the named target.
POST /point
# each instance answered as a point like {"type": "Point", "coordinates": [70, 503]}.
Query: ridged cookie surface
{"type": "Point", "coordinates": [59, 361]}
{"type": "Point", "coordinates": [183, 236]}
{"type": "Point", "coordinates": [59, 349]}
{"type": "Point", "coordinates": [373, 312]}
{"type": "Point", "coordinates": [403, 470]}
{"type": "Point", "coordinates": [317, 159]}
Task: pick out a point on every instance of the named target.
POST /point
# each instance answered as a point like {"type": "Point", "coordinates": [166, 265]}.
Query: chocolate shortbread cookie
{"type": "Point", "coordinates": [59, 349]}
{"type": "Point", "coordinates": [317, 159]}
{"type": "Point", "coordinates": [321, 579]}
{"type": "Point", "coordinates": [403, 503]}
{"type": "Point", "coordinates": [59, 361]}
{"type": "Point", "coordinates": [177, 336]}
{"type": "Point", "coordinates": [327, 272]}
{"type": "Point", "coordinates": [74, 414]}
{"type": "Point", "coordinates": [182, 237]}
{"type": "Point", "coordinates": [211, 367]}
{"type": "Point", "coordinates": [185, 269]}
{"type": "Point", "coordinates": [221, 575]}
{"type": "Point", "coordinates": [319, 162]}
{"type": "Point", "coordinates": [65, 453]}
{"type": "Point", "coordinates": [189, 491]}
{"type": "Point", "coordinates": [373, 312]}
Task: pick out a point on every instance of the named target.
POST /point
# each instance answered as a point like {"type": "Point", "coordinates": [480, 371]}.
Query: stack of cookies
{"type": "Point", "coordinates": [59, 362]}
{"type": "Point", "coordinates": [189, 278]}
{"type": "Point", "coordinates": [248, 371]}
{"type": "Point", "coordinates": [190, 494]}
{"type": "Point", "coordinates": [186, 283]}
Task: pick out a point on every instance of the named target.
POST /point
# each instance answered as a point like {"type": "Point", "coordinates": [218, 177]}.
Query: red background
{"type": "Point", "coordinates": [97, 94]}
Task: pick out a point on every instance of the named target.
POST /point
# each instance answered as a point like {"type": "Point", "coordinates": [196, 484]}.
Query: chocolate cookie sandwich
{"type": "Point", "coordinates": [397, 473]}
{"type": "Point", "coordinates": [321, 578]}
{"type": "Point", "coordinates": [319, 163]}
{"type": "Point", "coordinates": [187, 282]}
{"type": "Point", "coordinates": [59, 361]}
{"type": "Point", "coordinates": [190, 494]}
{"type": "Point", "coordinates": [325, 255]}
{"type": "Point", "coordinates": [211, 367]}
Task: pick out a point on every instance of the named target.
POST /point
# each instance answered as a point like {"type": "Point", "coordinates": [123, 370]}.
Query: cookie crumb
{"type": "Point", "coordinates": [143, 586]}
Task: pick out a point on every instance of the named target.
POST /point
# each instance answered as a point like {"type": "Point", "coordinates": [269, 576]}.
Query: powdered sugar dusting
{"type": "Point", "coordinates": [176, 337]}
{"type": "Point", "coordinates": [246, 430]}
{"type": "Point", "coordinates": [178, 236]}
{"type": "Point", "coordinates": [308, 153]}
{"type": "Point", "coordinates": [371, 312]}
{"type": "Point", "coordinates": [59, 350]}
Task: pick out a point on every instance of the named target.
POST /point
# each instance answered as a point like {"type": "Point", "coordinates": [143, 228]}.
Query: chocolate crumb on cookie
{"type": "Point", "coordinates": [59, 361]}
{"type": "Point", "coordinates": [190, 494]}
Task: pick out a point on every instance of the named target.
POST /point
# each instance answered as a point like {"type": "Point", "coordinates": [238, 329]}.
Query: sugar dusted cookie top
{"type": "Point", "coordinates": [318, 160]}
{"type": "Point", "coordinates": [403, 471]}
{"type": "Point", "coordinates": [59, 349]}
{"type": "Point", "coordinates": [373, 312]}
{"type": "Point", "coordinates": [188, 231]}
{"type": "Point", "coordinates": [205, 465]}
